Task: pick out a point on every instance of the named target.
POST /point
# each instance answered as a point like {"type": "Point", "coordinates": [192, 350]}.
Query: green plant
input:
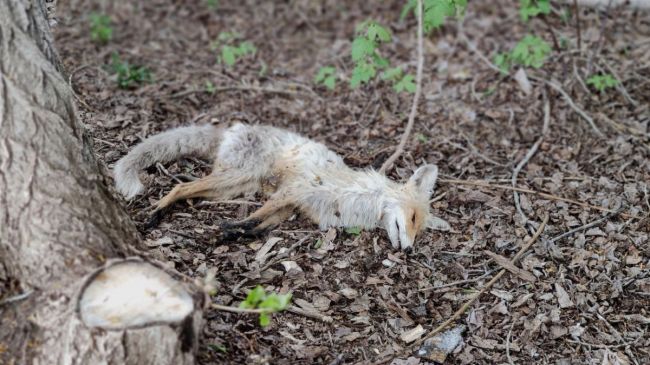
{"type": "Point", "coordinates": [209, 87]}
{"type": "Point", "coordinates": [100, 28]}
{"type": "Point", "coordinates": [435, 11]}
{"type": "Point", "coordinates": [265, 303]}
{"type": "Point", "coordinates": [212, 4]}
{"type": "Point", "coordinates": [365, 52]}
{"type": "Point", "coordinates": [531, 51]}
{"type": "Point", "coordinates": [355, 231]}
{"type": "Point", "coordinates": [533, 8]}
{"type": "Point", "coordinates": [231, 49]}
{"type": "Point", "coordinates": [602, 82]}
{"type": "Point", "coordinates": [326, 76]}
{"type": "Point", "coordinates": [129, 75]}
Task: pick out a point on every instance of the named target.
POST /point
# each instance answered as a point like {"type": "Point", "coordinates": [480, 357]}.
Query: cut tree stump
{"type": "Point", "coordinates": [67, 295]}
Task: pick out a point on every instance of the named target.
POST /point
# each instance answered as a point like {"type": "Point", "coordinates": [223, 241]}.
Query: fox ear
{"type": "Point", "coordinates": [424, 179]}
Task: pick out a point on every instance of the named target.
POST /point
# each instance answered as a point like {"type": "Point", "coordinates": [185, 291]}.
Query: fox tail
{"type": "Point", "coordinates": [164, 147]}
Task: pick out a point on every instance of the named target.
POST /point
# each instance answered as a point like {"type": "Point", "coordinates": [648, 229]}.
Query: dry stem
{"type": "Point", "coordinates": [416, 98]}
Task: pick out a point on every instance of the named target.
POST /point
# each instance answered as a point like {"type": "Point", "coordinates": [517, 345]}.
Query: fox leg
{"type": "Point", "coordinates": [272, 213]}
{"type": "Point", "coordinates": [218, 185]}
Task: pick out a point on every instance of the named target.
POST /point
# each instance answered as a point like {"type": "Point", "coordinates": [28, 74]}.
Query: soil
{"type": "Point", "coordinates": [589, 296]}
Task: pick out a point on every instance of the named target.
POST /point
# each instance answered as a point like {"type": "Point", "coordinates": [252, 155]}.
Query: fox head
{"type": "Point", "coordinates": [406, 213]}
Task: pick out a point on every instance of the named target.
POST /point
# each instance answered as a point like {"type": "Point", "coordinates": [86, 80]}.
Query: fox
{"type": "Point", "coordinates": [293, 173]}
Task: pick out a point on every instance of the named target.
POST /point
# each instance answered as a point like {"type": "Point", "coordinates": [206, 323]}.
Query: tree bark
{"type": "Point", "coordinates": [59, 224]}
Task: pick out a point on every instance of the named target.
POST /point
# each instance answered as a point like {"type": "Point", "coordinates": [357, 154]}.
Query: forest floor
{"type": "Point", "coordinates": [580, 299]}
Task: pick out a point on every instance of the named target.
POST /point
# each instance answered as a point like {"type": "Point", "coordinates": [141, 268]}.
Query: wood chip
{"type": "Point", "coordinates": [413, 334]}
{"type": "Point", "coordinates": [563, 297]}
{"type": "Point", "coordinates": [506, 264]}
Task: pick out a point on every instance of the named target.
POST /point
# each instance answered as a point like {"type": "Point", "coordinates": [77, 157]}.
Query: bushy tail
{"type": "Point", "coordinates": [164, 147]}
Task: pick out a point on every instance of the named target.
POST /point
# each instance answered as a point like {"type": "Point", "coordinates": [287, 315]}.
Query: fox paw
{"type": "Point", "coordinates": [231, 231]}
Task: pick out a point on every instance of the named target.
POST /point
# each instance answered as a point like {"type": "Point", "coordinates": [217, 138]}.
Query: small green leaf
{"type": "Point", "coordinates": [361, 48]}
{"type": "Point", "coordinates": [377, 32]}
{"type": "Point", "coordinates": [246, 48]}
{"type": "Point", "coordinates": [602, 82]}
{"type": "Point", "coordinates": [265, 319]}
{"type": "Point", "coordinates": [362, 73]}
{"type": "Point", "coordinates": [353, 230]}
{"type": "Point", "coordinates": [253, 298]}
{"type": "Point", "coordinates": [209, 87]}
{"type": "Point", "coordinates": [422, 138]}
{"type": "Point", "coordinates": [218, 347]}
{"type": "Point", "coordinates": [318, 244]}
{"type": "Point", "coordinates": [392, 74]}
{"type": "Point", "coordinates": [228, 55]}
{"type": "Point", "coordinates": [407, 83]}
{"type": "Point", "coordinates": [379, 61]}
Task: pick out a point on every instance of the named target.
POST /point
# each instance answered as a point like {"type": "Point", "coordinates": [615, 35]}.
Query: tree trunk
{"type": "Point", "coordinates": [59, 225]}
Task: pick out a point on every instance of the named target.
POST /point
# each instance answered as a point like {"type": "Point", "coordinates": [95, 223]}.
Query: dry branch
{"type": "Point", "coordinates": [416, 98]}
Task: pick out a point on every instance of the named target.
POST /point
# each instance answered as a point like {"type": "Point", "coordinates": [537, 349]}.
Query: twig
{"type": "Point", "coordinates": [577, 11]}
{"type": "Point", "coordinates": [459, 282]}
{"type": "Point", "coordinates": [586, 226]}
{"type": "Point", "coordinates": [538, 193]}
{"type": "Point", "coordinates": [225, 308]}
{"type": "Point", "coordinates": [416, 98]}
{"type": "Point", "coordinates": [16, 298]}
{"type": "Point", "coordinates": [529, 155]}
{"type": "Point", "coordinates": [318, 316]}
{"type": "Point", "coordinates": [487, 286]}
{"type": "Point", "coordinates": [555, 86]}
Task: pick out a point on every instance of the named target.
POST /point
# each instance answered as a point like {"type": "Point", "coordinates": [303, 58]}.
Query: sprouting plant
{"type": "Point", "coordinates": [401, 82]}
{"type": "Point", "coordinates": [602, 82]}
{"type": "Point", "coordinates": [365, 52]}
{"type": "Point", "coordinates": [231, 49]}
{"type": "Point", "coordinates": [212, 4]}
{"type": "Point", "coordinates": [435, 11]}
{"type": "Point", "coordinates": [129, 75]}
{"type": "Point", "coordinates": [100, 28]}
{"type": "Point", "coordinates": [265, 303]}
{"type": "Point", "coordinates": [355, 231]}
{"type": "Point", "coordinates": [533, 8]}
{"type": "Point", "coordinates": [326, 76]}
{"type": "Point", "coordinates": [209, 87]}
{"type": "Point", "coordinates": [531, 51]}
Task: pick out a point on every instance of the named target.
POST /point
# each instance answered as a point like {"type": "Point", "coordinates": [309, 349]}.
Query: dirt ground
{"type": "Point", "coordinates": [588, 299]}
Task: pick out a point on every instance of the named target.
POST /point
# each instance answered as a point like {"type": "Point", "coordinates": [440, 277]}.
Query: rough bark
{"type": "Point", "coordinates": [58, 222]}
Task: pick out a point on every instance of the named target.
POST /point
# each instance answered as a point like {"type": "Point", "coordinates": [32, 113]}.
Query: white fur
{"type": "Point", "coordinates": [309, 176]}
{"type": "Point", "coordinates": [163, 147]}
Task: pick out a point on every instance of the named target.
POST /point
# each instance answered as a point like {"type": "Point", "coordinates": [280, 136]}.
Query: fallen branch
{"type": "Point", "coordinates": [465, 306]}
{"type": "Point", "coordinates": [416, 98]}
{"type": "Point", "coordinates": [538, 193]}
{"type": "Point", "coordinates": [314, 315]}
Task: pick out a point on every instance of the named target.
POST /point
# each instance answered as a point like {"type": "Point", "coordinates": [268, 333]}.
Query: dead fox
{"type": "Point", "coordinates": [293, 172]}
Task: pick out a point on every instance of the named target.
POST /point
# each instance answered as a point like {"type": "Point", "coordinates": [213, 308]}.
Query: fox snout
{"type": "Point", "coordinates": [401, 228]}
